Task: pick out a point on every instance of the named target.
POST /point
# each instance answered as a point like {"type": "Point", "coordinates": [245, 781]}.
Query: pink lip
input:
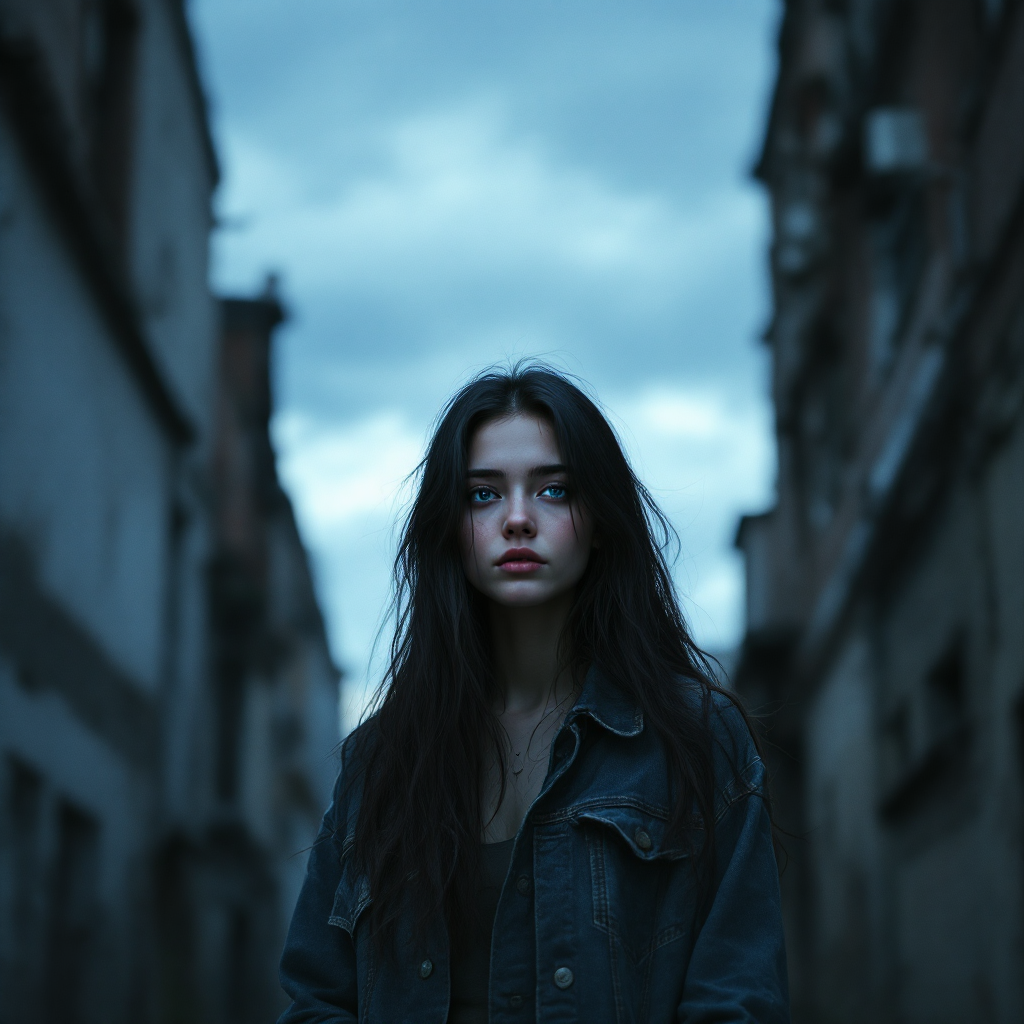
{"type": "Point", "coordinates": [520, 560]}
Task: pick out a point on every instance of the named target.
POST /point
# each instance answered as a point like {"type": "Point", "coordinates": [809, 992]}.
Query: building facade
{"type": "Point", "coordinates": [885, 589]}
{"type": "Point", "coordinates": [135, 885]}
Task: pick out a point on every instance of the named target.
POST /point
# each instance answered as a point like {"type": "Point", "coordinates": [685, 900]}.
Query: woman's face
{"type": "Point", "coordinates": [524, 539]}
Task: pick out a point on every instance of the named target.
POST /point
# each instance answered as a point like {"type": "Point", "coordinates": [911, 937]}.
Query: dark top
{"type": "Point", "coordinates": [471, 953]}
{"type": "Point", "coordinates": [600, 920]}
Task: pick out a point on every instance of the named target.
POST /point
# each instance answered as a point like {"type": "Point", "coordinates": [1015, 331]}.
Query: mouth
{"type": "Point", "coordinates": [520, 560]}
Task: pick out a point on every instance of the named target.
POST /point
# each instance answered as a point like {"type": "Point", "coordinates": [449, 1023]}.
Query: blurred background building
{"type": "Point", "coordinates": [168, 704]}
{"type": "Point", "coordinates": [885, 588]}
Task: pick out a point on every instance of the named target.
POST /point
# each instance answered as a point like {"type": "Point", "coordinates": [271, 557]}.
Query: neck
{"type": "Point", "coordinates": [526, 653]}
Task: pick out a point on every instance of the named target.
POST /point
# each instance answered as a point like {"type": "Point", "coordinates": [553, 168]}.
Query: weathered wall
{"type": "Point", "coordinates": [132, 887]}
{"type": "Point", "coordinates": [886, 603]}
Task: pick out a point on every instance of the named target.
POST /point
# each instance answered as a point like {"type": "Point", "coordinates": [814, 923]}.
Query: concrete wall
{"type": "Point", "coordinates": [172, 216]}
{"type": "Point", "coordinates": [85, 463]}
{"type": "Point", "coordinates": [889, 635]}
{"type": "Point", "coordinates": [132, 887]}
{"type": "Point", "coordinates": [842, 831]}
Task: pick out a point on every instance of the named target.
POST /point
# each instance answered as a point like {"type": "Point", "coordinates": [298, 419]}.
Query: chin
{"type": "Point", "coordinates": [523, 597]}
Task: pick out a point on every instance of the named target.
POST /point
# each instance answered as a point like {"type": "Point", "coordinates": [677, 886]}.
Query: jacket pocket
{"type": "Point", "coordinates": [642, 884]}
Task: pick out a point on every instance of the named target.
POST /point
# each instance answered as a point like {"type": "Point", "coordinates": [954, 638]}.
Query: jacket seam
{"type": "Point", "coordinates": [732, 793]}
{"type": "Point", "coordinates": [601, 803]}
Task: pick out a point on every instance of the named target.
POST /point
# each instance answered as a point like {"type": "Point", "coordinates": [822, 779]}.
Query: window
{"type": "Point", "coordinates": [236, 981]}
{"type": "Point", "coordinates": [945, 696]}
{"type": "Point", "coordinates": [926, 738]}
{"type": "Point", "coordinates": [898, 238]}
{"type": "Point", "coordinates": [108, 43]}
{"type": "Point", "coordinates": [24, 819]}
{"type": "Point", "coordinates": [896, 153]}
{"type": "Point", "coordinates": [230, 707]}
{"type": "Point", "coordinates": [73, 914]}
{"type": "Point", "coordinates": [822, 425]}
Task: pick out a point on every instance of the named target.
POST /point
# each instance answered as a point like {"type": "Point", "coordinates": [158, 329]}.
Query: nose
{"type": "Point", "coordinates": [519, 522]}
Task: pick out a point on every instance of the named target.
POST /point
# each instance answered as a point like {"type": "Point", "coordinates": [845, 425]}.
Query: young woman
{"type": "Point", "coordinates": [554, 814]}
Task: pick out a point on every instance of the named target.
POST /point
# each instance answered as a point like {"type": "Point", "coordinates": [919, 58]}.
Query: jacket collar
{"type": "Point", "coordinates": [604, 702]}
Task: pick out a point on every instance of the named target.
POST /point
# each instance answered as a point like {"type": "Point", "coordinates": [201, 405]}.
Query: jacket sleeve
{"type": "Point", "coordinates": [737, 972]}
{"type": "Point", "coordinates": [318, 968]}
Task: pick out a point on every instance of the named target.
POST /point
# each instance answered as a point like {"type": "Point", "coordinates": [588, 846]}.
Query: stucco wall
{"type": "Point", "coordinates": [84, 462]}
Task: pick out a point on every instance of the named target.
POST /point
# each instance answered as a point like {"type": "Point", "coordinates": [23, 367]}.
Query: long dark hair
{"type": "Point", "coordinates": [424, 748]}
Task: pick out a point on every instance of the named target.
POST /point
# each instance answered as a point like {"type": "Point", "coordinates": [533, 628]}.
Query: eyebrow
{"type": "Point", "coordinates": [500, 474]}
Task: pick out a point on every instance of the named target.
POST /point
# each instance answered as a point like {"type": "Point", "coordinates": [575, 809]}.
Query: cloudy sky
{"type": "Point", "coordinates": [443, 184]}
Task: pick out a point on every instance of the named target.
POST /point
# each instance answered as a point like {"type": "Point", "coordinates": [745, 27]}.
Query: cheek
{"type": "Point", "coordinates": [572, 537]}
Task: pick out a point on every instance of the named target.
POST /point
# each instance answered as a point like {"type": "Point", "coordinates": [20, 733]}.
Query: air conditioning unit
{"type": "Point", "coordinates": [895, 141]}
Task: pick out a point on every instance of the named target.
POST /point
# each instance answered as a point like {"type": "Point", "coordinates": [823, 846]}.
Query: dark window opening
{"type": "Point", "coordinates": [230, 698]}
{"type": "Point", "coordinates": [822, 455]}
{"type": "Point", "coordinates": [108, 47]}
{"type": "Point", "coordinates": [236, 975]}
{"type": "Point", "coordinates": [897, 37]}
{"type": "Point", "coordinates": [237, 612]}
{"type": "Point", "coordinates": [927, 740]}
{"type": "Point", "coordinates": [1019, 723]}
{"type": "Point", "coordinates": [812, 100]}
{"type": "Point", "coordinates": [897, 213]}
{"type": "Point", "coordinates": [179, 972]}
{"type": "Point", "coordinates": [73, 914]}
{"type": "Point", "coordinates": [818, 118]}
{"type": "Point", "coordinates": [898, 739]}
{"type": "Point", "coordinates": [899, 250]}
{"type": "Point", "coordinates": [945, 694]}
{"type": "Point", "coordinates": [24, 819]}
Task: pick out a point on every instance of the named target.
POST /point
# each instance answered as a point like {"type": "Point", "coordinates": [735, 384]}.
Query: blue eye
{"type": "Point", "coordinates": [557, 491]}
{"type": "Point", "coordinates": [480, 495]}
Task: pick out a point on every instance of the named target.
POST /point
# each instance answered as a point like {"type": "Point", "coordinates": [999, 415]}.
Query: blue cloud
{"type": "Point", "coordinates": [444, 184]}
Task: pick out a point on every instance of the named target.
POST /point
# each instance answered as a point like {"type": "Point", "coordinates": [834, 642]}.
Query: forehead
{"type": "Point", "coordinates": [514, 440]}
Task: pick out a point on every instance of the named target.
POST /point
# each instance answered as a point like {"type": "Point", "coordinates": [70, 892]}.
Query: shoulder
{"type": "Point", "coordinates": [729, 726]}
{"type": "Point", "coordinates": [739, 770]}
{"type": "Point", "coordinates": [736, 760]}
{"type": "Point", "coordinates": [722, 716]}
{"type": "Point", "coordinates": [357, 746]}
{"type": "Point", "coordinates": [355, 754]}
{"type": "Point", "coordinates": [718, 725]}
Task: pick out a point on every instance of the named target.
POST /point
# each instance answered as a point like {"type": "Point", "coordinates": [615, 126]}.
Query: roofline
{"type": "Point", "coordinates": [760, 168]}
{"type": "Point", "coordinates": [744, 524]}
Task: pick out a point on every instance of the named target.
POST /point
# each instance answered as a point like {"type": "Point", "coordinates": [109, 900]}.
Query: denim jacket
{"type": "Point", "coordinates": [597, 920]}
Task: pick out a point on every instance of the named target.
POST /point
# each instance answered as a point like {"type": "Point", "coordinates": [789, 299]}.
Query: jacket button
{"type": "Point", "coordinates": [426, 969]}
{"type": "Point", "coordinates": [515, 1002]}
{"type": "Point", "coordinates": [643, 840]}
{"type": "Point", "coordinates": [563, 977]}
{"type": "Point", "coordinates": [523, 886]}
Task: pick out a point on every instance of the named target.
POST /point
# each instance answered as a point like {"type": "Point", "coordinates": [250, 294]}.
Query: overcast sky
{"type": "Point", "coordinates": [442, 185]}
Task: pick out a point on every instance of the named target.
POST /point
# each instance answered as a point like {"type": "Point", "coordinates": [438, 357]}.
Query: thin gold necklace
{"type": "Point", "coordinates": [517, 771]}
